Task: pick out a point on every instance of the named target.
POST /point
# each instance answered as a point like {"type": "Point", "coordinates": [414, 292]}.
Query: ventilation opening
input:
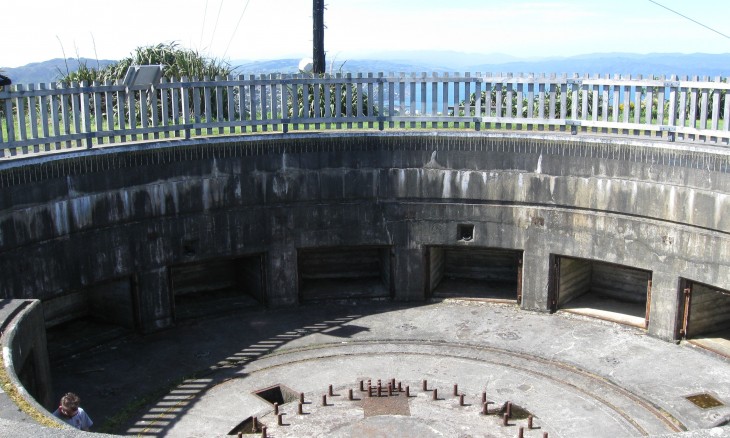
{"type": "Point", "coordinates": [218, 286]}
{"type": "Point", "coordinates": [278, 394]}
{"type": "Point", "coordinates": [465, 232]}
{"type": "Point", "coordinates": [705, 316]}
{"type": "Point", "coordinates": [344, 273]}
{"type": "Point", "coordinates": [602, 290]}
{"type": "Point", "coordinates": [82, 319]}
{"type": "Point", "coordinates": [466, 272]}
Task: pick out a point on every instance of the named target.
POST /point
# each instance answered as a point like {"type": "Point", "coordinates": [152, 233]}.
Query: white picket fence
{"type": "Point", "coordinates": [49, 117]}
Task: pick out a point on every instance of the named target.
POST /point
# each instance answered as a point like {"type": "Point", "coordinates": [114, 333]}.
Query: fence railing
{"type": "Point", "coordinates": [46, 117]}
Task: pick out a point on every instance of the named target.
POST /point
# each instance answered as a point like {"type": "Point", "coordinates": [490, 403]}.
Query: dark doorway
{"type": "Point", "coordinates": [480, 273]}
{"type": "Point", "coordinates": [218, 286]}
{"type": "Point", "coordinates": [602, 290]}
{"type": "Point", "coordinates": [344, 273]}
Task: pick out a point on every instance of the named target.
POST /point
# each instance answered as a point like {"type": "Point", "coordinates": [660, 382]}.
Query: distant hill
{"type": "Point", "coordinates": [49, 71]}
{"type": "Point", "coordinates": [438, 61]}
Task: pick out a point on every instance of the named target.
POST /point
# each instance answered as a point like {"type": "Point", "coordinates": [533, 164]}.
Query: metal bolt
{"type": "Point", "coordinates": [330, 391]}
{"type": "Point", "coordinates": [544, 435]}
{"type": "Point", "coordinates": [255, 423]}
{"type": "Point", "coordinates": [276, 408]}
{"type": "Point", "coordinates": [509, 409]}
{"type": "Point", "coordinates": [300, 410]}
{"type": "Point", "coordinates": [485, 408]}
{"type": "Point", "coordinates": [390, 390]}
{"type": "Point", "coordinates": [435, 394]}
{"type": "Point", "coordinates": [505, 420]}
{"type": "Point", "coordinates": [349, 394]}
{"type": "Point", "coordinates": [263, 432]}
{"type": "Point", "coordinates": [240, 434]}
{"type": "Point", "coordinates": [461, 399]}
{"type": "Point", "coordinates": [279, 420]}
{"type": "Point", "coordinates": [521, 433]}
{"type": "Point", "coordinates": [324, 399]}
{"type": "Point", "coordinates": [456, 390]}
{"type": "Point", "coordinates": [484, 397]}
{"type": "Point", "coordinates": [400, 388]}
{"type": "Point", "coordinates": [379, 384]}
{"type": "Point", "coordinates": [392, 382]}
{"type": "Point", "coordinates": [362, 386]}
{"type": "Point", "coordinates": [380, 389]}
{"type": "Point", "coordinates": [301, 397]}
{"type": "Point", "coordinates": [529, 421]}
{"type": "Point", "coordinates": [425, 385]}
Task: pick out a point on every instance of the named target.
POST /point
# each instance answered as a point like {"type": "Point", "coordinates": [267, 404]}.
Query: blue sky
{"type": "Point", "coordinates": [270, 29]}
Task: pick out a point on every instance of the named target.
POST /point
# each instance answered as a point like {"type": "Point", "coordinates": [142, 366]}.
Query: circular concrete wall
{"type": "Point", "coordinates": [120, 219]}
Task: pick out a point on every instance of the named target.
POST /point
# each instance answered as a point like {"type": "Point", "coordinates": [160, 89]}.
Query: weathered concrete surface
{"type": "Point", "coordinates": [577, 375]}
{"type": "Point", "coordinates": [71, 222]}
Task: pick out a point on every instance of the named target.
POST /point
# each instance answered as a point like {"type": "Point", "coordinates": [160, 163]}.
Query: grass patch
{"type": "Point", "coordinates": [19, 400]}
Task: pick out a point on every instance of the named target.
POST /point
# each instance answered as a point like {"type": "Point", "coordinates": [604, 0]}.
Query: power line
{"type": "Point", "coordinates": [210, 46]}
{"type": "Point", "coordinates": [202, 28]}
{"type": "Point", "coordinates": [235, 29]}
{"type": "Point", "coordinates": [690, 19]}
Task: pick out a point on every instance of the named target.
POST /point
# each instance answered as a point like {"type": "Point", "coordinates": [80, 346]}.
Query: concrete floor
{"type": "Point", "coordinates": [578, 376]}
{"type": "Point", "coordinates": [609, 309]}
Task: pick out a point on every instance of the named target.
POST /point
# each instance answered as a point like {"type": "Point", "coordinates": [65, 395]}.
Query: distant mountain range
{"type": "Point", "coordinates": [699, 64]}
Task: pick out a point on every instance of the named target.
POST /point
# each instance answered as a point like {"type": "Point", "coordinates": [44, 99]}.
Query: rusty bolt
{"type": "Point", "coordinates": [362, 386]}
{"type": "Point", "coordinates": [435, 394]}
{"type": "Point", "coordinates": [263, 432]}
{"type": "Point", "coordinates": [276, 408]}
{"type": "Point", "coordinates": [521, 433]}
{"type": "Point", "coordinates": [425, 385]}
{"type": "Point", "coordinates": [509, 409]}
{"type": "Point", "coordinates": [400, 387]}
{"type": "Point", "coordinates": [324, 399]}
{"type": "Point", "coordinates": [379, 384]}
{"type": "Point", "coordinates": [240, 434]}
{"type": "Point", "coordinates": [484, 397]}
{"type": "Point", "coordinates": [408, 391]}
{"type": "Point", "coordinates": [529, 421]}
{"type": "Point", "coordinates": [461, 399]}
{"type": "Point", "coordinates": [544, 435]}
{"type": "Point", "coordinates": [255, 423]}
{"type": "Point", "coordinates": [505, 420]}
{"type": "Point", "coordinates": [279, 419]}
{"type": "Point", "coordinates": [301, 397]}
{"type": "Point", "coordinates": [329, 391]}
{"type": "Point", "coordinates": [485, 408]}
{"type": "Point", "coordinates": [390, 390]}
{"type": "Point", "coordinates": [300, 409]}
{"type": "Point", "coordinates": [392, 382]}
{"type": "Point", "coordinates": [456, 390]}
{"type": "Point", "coordinates": [380, 389]}
{"type": "Point", "coordinates": [349, 394]}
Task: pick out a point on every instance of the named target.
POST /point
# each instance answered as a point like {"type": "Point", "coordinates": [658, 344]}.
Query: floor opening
{"type": "Point", "coordinates": [478, 273]}
{"type": "Point", "coordinates": [83, 319]}
{"type": "Point", "coordinates": [344, 273]}
{"type": "Point", "coordinates": [705, 316]}
{"type": "Point", "coordinates": [218, 286]}
{"type": "Point", "coordinates": [602, 290]}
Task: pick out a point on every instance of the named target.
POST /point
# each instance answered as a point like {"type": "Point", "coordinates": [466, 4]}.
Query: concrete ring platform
{"type": "Point", "coordinates": [577, 376]}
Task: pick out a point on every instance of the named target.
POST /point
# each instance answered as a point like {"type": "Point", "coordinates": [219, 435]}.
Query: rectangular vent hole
{"type": "Point", "coordinates": [465, 232]}
{"type": "Point", "coordinates": [247, 427]}
{"type": "Point", "coordinates": [277, 394]}
{"type": "Point", "coordinates": [705, 401]}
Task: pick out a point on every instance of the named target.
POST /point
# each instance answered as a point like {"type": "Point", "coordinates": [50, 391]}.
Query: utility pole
{"type": "Point", "coordinates": [318, 39]}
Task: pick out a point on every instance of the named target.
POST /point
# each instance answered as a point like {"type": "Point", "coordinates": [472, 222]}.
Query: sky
{"type": "Point", "coordinates": [38, 30]}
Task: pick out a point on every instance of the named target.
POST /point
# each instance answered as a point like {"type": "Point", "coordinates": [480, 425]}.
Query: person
{"type": "Point", "coordinates": [70, 412]}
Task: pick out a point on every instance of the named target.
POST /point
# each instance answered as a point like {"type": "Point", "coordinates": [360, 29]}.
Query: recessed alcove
{"type": "Point", "coordinates": [602, 290]}
{"type": "Point", "coordinates": [704, 315]}
{"type": "Point", "coordinates": [467, 272]}
{"type": "Point", "coordinates": [218, 286]}
{"type": "Point", "coordinates": [344, 273]}
{"type": "Point", "coordinates": [81, 319]}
